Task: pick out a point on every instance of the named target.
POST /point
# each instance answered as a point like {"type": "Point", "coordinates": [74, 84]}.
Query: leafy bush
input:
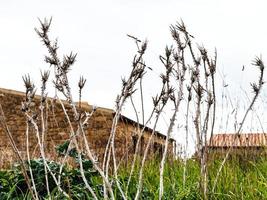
{"type": "Point", "coordinates": [13, 184]}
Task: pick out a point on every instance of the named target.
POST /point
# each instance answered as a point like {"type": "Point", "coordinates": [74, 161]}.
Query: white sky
{"type": "Point", "coordinates": [97, 30]}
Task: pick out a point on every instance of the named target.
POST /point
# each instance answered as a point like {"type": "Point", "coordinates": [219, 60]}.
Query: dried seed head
{"type": "Point", "coordinates": [255, 88]}
{"type": "Point", "coordinates": [258, 62]}
{"type": "Point", "coordinates": [203, 52]}
{"type": "Point", "coordinates": [155, 100]}
{"type": "Point", "coordinates": [174, 33]}
{"type": "Point", "coordinates": [58, 86]}
{"type": "Point", "coordinates": [71, 58]}
{"type": "Point", "coordinates": [144, 47]}
{"type": "Point", "coordinates": [164, 78]}
{"type": "Point", "coordinates": [199, 90]}
{"type": "Point", "coordinates": [45, 25]}
{"type": "Point", "coordinates": [82, 82]}
{"type": "Point", "coordinates": [181, 26]}
{"type": "Point", "coordinates": [68, 61]}
{"type": "Point", "coordinates": [45, 76]}
{"type": "Point", "coordinates": [212, 67]}
{"type": "Point", "coordinates": [50, 60]}
{"type": "Point", "coordinates": [170, 90]}
{"type": "Point", "coordinates": [168, 51]}
{"type": "Point", "coordinates": [28, 83]}
{"type": "Point", "coordinates": [175, 57]}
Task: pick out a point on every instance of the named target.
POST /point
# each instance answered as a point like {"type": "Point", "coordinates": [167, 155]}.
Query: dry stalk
{"type": "Point", "coordinates": [209, 68]}
{"type": "Point", "coordinates": [43, 104]}
{"type": "Point", "coordinates": [140, 178]}
{"type": "Point", "coordinates": [73, 138]}
{"type": "Point", "coordinates": [137, 147]}
{"type": "Point", "coordinates": [138, 67]}
{"type": "Point", "coordinates": [16, 151]}
{"type": "Point", "coordinates": [159, 103]}
{"type": "Point", "coordinates": [88, 151]}
{"type": "Point", "coordinates": [180, 73]}
{"type": "Point", "coordinates": [29, 161]}
{"type": "Point", "coordinates": [256, 88]}
{"type": "Point", "coordinates": [186, 136]}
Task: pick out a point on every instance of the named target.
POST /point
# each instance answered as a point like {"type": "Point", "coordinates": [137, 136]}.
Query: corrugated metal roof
{"type": "Point", "coordinates": [241, 140]}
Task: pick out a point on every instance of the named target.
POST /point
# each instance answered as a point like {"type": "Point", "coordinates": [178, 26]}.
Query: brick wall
{"type": "Point", "coordinates": [58, 130]}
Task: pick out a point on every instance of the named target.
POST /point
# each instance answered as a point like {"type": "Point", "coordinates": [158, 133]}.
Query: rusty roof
{"type": "Point", "coordinates": [241, 140]}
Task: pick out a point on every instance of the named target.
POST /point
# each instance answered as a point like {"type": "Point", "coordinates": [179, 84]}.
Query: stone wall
{"type": "Point", "coordinates": [58, 130]}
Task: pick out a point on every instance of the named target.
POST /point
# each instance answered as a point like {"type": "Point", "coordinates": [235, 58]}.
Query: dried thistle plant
{"type": "Point", "coordinates": [61, 83]}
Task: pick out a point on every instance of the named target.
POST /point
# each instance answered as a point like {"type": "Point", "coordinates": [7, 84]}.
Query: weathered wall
{"type": "Point", "coordinates": [58, 130]}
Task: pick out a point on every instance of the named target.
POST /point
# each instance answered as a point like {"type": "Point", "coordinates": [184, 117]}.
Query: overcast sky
{"type": "Point", "coordinates": [97, 30]}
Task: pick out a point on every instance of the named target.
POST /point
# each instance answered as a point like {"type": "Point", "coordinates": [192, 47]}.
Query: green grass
{"type": "Point", "coordinates": [238, 180]}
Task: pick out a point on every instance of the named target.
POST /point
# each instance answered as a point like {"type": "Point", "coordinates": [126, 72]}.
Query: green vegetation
{"type": "Point", "coordinates": [245, 180]}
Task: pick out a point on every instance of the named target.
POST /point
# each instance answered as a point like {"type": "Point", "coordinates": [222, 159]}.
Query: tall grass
{"type": "Point", "coordinates": [238, 180]}
{"type": "Point", "coordinates": [246, 180]}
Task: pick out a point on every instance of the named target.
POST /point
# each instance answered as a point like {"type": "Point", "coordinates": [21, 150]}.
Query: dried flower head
{"type": "Point", "coordinates": [28, 83]}
{"type": "Point", "coordinates": [68, 61]}
{"type": "Point", "coordinates": [168, 51]}
{"type": "Point", "coordinates": [82, 82]}
{"type": "Point", "coordinates": [45, 76]}
{"type": "Point", "coordinates": [144, 47]}
{"type": "Point", "coordinates": [258, 62]}
{"type": "Point", "coordinates": [45, 25]}
{"type": "Point", "coordinates": [255, 87]}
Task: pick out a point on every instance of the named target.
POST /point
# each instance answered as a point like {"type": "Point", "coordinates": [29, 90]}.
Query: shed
{"type": "Point", "coordinates": [249, 145]}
